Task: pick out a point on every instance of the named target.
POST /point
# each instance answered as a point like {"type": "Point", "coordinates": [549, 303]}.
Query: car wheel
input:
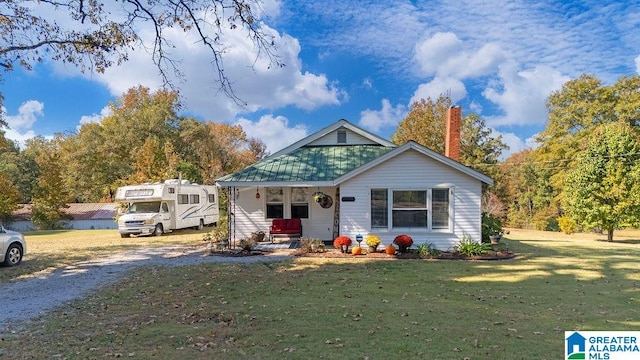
{"type": "Point", "coordinates": [158, 231]}
{"type": "Point", "coordinates": [13, 256]}
{"type": "Point", "coordinates": [124, 235]}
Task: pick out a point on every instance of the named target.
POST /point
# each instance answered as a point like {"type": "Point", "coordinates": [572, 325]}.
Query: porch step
{"type": "Point", "coordinates": [277, 246]}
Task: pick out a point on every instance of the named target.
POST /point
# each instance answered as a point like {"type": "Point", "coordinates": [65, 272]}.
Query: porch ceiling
{"type": "Point", "coordinates": [307, 164]}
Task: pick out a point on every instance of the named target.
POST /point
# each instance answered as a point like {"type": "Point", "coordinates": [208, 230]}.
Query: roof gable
{"type": "Point", "coordinates": [333, 128]}
{"type": "Point", "coordinates": [411, 145]}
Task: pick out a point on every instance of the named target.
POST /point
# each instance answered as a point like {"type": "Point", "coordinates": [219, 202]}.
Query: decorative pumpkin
{"type": "Point", "coordinates": [357, 250]}
{"type": "Point", "coordinates": [390, 250]}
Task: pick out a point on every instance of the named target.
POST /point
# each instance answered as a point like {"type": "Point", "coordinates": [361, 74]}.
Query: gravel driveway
{"type": "Point", "coordinates": [25, 299]}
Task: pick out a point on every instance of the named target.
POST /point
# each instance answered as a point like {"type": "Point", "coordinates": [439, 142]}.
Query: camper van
{"type": "Point", "coordinates": [154, 209]}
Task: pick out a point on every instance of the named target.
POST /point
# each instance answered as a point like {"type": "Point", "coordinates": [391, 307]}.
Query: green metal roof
{"type": "Point", "coordinates": [309, 163]}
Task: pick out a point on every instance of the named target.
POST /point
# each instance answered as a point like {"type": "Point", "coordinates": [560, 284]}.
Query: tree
{"type": "Point", "coordinates": [426, 123]}
{"type": "Point", "coordinates": [9, 198]}
{"type": "Point", "coordinates": [603, 190]}
{"type": "Point", "coordinates": [51, 194]}
{"type": "Point", "coordinates": [95, 35]}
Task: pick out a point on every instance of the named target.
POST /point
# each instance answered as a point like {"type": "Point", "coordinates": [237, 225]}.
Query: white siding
{"type": "Point", "coordinates": [352, 139]}
{"type": "Point", "coordinates": [412, 170]}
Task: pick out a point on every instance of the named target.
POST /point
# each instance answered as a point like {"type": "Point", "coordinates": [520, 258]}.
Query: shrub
{"type": "Point", "coordinates": [311, 245]}
{"type": "Point", "coordinates": [403, 241]}
{"type": "Point", "coordinates": [491, 225]}
{"type": "Point", "coordinates": [567, 224]}
{"type": "Point", "coordinates": [426, 250]}
{"type": "Point", "coordinates": [468, 247]}
{"type": "Point", "coordinates": [372, 241]}
{"type": "Point", "coordinates": [247, 244]}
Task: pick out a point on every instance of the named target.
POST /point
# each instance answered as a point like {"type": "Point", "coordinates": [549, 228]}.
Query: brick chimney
{"type": "Point", "coordinates": [452, 142]}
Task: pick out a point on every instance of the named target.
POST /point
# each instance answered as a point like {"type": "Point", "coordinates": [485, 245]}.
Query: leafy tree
{"type": "Point", "coordinates": [50, 195]}
{"type": "Point", "coordinates": [603, 190]}
{"type": "Point", "coordinates": [426, 123]}
{"type": "Point", "coordinates": [9, 198]}
{"type": "Point", "coordinates": [95, 35]}
{"type": "Point", "coordinates": [525, 188]}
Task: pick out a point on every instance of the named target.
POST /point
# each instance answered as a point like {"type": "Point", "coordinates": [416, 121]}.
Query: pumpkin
{"type": "Point", "coordinates": [390, 250]}
{"type": "Point", "coordinates": [357, 250]}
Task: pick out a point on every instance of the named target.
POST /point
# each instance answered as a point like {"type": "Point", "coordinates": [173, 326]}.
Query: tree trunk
{"type": "Point", "coordinates": [610, 234]}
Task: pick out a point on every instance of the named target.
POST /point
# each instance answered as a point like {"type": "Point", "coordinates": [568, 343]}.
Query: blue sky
{"type": "Point", "coordinates": [364, 61]}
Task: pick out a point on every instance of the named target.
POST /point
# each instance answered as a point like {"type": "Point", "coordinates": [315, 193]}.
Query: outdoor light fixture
{"type": "Point", "coordinates": [257, 194]}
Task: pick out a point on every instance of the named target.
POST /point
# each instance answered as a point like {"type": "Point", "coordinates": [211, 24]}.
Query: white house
{"type": "Point", "coordinates": [85, 216]}
{"type": "Point", "coordinates": [371, 186]}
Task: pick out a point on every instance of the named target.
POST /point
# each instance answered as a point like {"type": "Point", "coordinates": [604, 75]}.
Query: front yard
{"type": "Point", "coordinates": [354, 308]}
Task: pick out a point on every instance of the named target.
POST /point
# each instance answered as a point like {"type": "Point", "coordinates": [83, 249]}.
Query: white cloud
{"type": "Point", "coordinates": [523, 94]}
{"type": "Point", "coordinates": [27, 115]}
{"type": "Point", "coordinates": [444, 56]}
{"type": "Point", "coordinates": [433, 89]}
{"type": "Point", "coordinates": [20, 125]}
{"type": "Point", "coordinates": [389, 115]}
{"type": "Point", "coordinates": [515, 143]}
{"type": "Point", "coordinates": [273, 131]}
{"type": "Point", "coordinates": [94, 118]}
{"type": "Point", "coordinates": [257, 82]}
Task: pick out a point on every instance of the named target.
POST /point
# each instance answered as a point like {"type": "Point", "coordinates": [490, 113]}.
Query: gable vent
{"type": "Point", "coordinates": [342, 136]}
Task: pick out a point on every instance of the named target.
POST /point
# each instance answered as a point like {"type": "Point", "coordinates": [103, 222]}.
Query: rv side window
{"type": "Point", "coordinates": [195, 199]}
{"type": "Point", "coordinates": [164, 208]}
{"type": "Point", "coordinates": [172, 190]}
{"type": "Point", "coordinates": [183, 199]}
{"type": "Point", "coordinates": [212, 198]}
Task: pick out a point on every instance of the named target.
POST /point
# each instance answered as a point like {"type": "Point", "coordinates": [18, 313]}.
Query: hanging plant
{"type": "Point", "coordinates": [325, 201]}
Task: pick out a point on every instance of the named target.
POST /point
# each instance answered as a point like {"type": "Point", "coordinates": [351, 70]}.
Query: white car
{"type": "Point", "coordinates": [12, 247]}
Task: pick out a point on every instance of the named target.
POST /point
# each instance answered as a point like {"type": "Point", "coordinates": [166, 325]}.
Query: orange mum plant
{"type": "Point", "coordinates": [403, 241]}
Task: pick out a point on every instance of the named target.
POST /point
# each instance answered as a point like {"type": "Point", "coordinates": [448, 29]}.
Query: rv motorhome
{"type": "Point", "coordinates": [153, 209]}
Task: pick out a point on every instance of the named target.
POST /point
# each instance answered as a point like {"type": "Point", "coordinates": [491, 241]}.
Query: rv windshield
{"type": "Point", "coordinates": [144, 207]}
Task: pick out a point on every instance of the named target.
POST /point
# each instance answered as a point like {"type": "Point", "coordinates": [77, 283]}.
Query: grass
{"type": "Point", "coordinates": [354, 308]}
{"type": "Point", "coordinates": [50, 249]}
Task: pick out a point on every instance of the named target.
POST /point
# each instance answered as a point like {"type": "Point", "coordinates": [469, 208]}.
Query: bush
{"type": "Point", "coordinates": [426, 250]}
{"type": "Point", "coordinates": [404, 242]}
{"type": "Point", "coordinates": [311, 245]}
{"type": "Point", "coordinates": [491, 225]}
{"type": "Point", "coordinates": [567, 224]}
{"type": "Point", "coordinates": [468, 247]}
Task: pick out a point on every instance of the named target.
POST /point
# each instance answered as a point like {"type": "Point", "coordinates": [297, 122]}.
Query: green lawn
{"type": "Point", "coordinates": [355, 309]}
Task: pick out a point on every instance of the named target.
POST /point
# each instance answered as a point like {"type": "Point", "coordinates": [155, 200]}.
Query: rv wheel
{"type": "Point", "coordinates": [158, 230]}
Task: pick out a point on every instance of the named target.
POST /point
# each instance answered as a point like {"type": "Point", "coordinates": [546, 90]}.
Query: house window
{"type": "Point", "coordinates": [409, 208]}
{"type": "Point", "coordinates": [275, 203]}
{"type": "Point", "coordinates": [195, 199]}
{"type": "Point", "coordinates": [440, 208]}
{"type": "Point", "coordinates": [299, 203]}
{"type": "Point", "coordinates": [212, 198]}
{"type": "Point", "coordinates": [183, 199]}
{"type": "Point", "coordinates": [342, 136]}
{"type": "Point", "coordinates": [379, 208]}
